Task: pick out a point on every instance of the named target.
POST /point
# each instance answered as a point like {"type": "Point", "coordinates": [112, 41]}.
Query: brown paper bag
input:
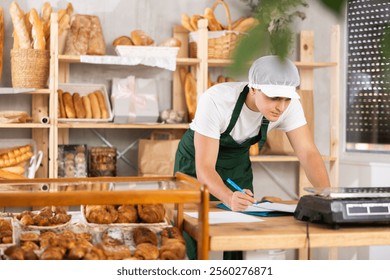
{"type": "Point", "coordinates": [156, 156]}
{"type": "Point", "coordinates": [277, 142]}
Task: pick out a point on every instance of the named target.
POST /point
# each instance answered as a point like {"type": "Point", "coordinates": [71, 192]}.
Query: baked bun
{"type": "Point", "coordinates": [101, 214]}
{"type": "Point", "coordinates": [144, 235]}
{"type": "Point", "coordinates": [140, 38]}
{"type": "Point", "coordinates": [151, 213]}
{"type": "Point", "coordinates": [122, 41]}
{"type": "Point", "coordinates": [171, 42]}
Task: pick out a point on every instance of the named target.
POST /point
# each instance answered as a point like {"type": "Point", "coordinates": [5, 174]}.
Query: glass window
{"type": "Point", "coordinates": [368, 77]}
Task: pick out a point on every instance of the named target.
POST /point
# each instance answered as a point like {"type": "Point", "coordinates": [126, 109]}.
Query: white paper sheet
{"type": "Point", "coordinates": [227, 217]}
{"type": "Point", "coordinates": [271, 206]}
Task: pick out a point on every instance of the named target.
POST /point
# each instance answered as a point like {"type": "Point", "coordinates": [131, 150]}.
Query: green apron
{"type": "Point", "coordinates": [233, 162]}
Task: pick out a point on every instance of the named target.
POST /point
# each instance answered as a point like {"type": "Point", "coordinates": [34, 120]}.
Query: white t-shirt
{"type": "Point", "coordinates": [215, 108]}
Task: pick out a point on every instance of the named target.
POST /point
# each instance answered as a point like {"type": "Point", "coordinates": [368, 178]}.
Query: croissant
{"type": "Point", "coordinates": [146, 251]}
{"type": "Point", "coordinates": [151, 213]}
{"type": "Point", "coordinates": [144, 235]}
{"type": "Point", "coordinates": [173, 249]}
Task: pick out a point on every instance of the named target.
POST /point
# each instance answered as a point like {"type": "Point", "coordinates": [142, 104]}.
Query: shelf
{"type": "Point", "coordinates": [24, 125]}
{"type": "Point", "coordinates": [179, 61]}
{"type": "Point", "coordinates": [282, 158]}
{"type": "Point", "coordinates": [124, 126]}
{"type": "Point", "coordinates": [299, 64]}
{"type": "Point", "coordinates": [10, 90]}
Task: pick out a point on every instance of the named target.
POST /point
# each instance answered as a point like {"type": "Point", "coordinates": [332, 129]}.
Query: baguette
{"type": "Point", "coordinates": [87, 106]}
{"type": "Point", "coordinates": [37, 32]}
{"type": "Point", "coordinates": [4, 174]}
{"type": "Point", "coordinates": [14, 169]}
{"type": "Point", "coordinates": [20, 28]}
{"type": "Point", "coordinates": [102, 104]}
{"type": "Point", "coordinates": [190, 94]}
{"type": "Point", "coordinates": [1, 40]}
{"type": "Point", "coordinates": [61, 103]}
{"type": "Point", "coordinates": [45, 16]}
{"type": "Point", "coordinates": [94, 106]}
{"type": "Point", "coordinates": [194, 21]}
{"type": "Point", "coordinates": [246, 24]}
{"type": "Point", "coordinates": [185, 21]}
{"type": "Point", "coordinates": [68, 105]}
{"type": "Point", "coordinates": [78, 106]}
{"type": "Point", "coordinates": [213, 23]}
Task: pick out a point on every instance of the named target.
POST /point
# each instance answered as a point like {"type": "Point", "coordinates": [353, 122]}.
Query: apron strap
{"type": "Point", "coordinates": [263, 132]}
{"type": "Point", "coordinates": [237, 109]}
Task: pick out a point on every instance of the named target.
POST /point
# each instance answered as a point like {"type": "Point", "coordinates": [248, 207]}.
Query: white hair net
{"type": "Point", "coordinates": [274, 77]}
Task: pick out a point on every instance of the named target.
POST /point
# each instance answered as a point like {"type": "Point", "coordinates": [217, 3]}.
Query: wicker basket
{"type": "Point", "coordinates": [30, 68]}
{"type": "Point", "coordinates": [220, 43]}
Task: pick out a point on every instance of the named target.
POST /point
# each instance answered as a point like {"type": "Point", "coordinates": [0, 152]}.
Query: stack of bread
{"type": "Point", "coordinates": [14, 160]}
{"type": "Point", "coordinates": [109, 214]}
{"type": "Point", "coordinates": [31, 30]}
{"type": "Point", "coordinates": [89, 106]}
{"type": "Point", "coordinates": [138, 37]}
{"type": "Point", "coordinates": [85, 36]}
{"type": "Point", "coordinates": [242, 25]}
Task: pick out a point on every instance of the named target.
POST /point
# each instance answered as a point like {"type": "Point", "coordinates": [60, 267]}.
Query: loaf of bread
{"type": "Point", "coordinates": [96, 44]}
{"type": "Point", "coordinates": [87, 106]}
{"type": "Point", "coordinates": [185, 22]}
{"type": "Point", "coordinates": [78, 106]}
{"type": "Point", "coordinates": [68, 105]}
{"type": "Point", "coordinates": [213, 23]}
{"type": "Point", "coordinates": [78, 37]}
{"type": "Point", "coordinates": [190, 93]}
{"type": "Point", "coordinates": [37, 33]}
{"type": "Point", "coordinates": [20, 29]}
{"type": "Point", "coordinates": [61, 104]}
{"type": "Point", "coordinates": [95, 108]}
{"type": "Point", "coordinates": [102, 104]}
{"type": "Point", "coordinates": [1, 40]}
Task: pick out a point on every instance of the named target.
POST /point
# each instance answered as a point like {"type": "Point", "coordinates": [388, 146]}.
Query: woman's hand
{"type": "Point", "coordinates": [240, 201]}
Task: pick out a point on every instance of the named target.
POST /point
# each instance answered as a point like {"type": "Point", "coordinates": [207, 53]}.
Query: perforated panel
{"type": "Point", "coordinates": [368, 98]}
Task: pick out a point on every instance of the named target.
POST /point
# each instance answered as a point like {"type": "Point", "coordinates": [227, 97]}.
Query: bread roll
{"type": "Point", "coordinates": [102, 104]}
{"type": "Point", "coordinates": [122, 41]}
{"type": "Point", "coordinates": [87, 106]}
{"type": "Point", "coordinates": [140, 38]}
{"type": "Point", "coordinates": [20, 28]}
{"type": "Point", "coordinates": [68, 105]}
{"type": "Point", "coordinates": [171, 42]}
{"type": "Point", "coordinates": [37, 33]}
{"type": "Point", "coordinates": [61, 104]}
{"type": "Point", "coordinates": [78, 106]}
{"type": "Point", "coordinates": [95, 109]}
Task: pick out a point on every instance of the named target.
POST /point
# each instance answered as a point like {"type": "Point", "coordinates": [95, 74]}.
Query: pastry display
{"type": "Point", "coordinates": [90, 105]}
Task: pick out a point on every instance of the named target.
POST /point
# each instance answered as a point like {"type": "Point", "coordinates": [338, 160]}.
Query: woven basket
{"type": "Point", "coordinates": [220, 43]}
{"type": "Point", "coordinates": [30, 68]}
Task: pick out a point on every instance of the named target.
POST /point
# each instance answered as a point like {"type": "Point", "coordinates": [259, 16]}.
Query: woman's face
{"type": "Point", "coordinates": [271, 107]}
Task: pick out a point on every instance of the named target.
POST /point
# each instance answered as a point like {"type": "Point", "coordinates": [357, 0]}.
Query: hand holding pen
{"type": "Point", "coordinates": [241, 199]}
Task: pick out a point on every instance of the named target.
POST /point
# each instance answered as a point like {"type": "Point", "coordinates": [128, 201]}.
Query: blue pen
{"type": "Point", "coordinates": [237, 187]}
